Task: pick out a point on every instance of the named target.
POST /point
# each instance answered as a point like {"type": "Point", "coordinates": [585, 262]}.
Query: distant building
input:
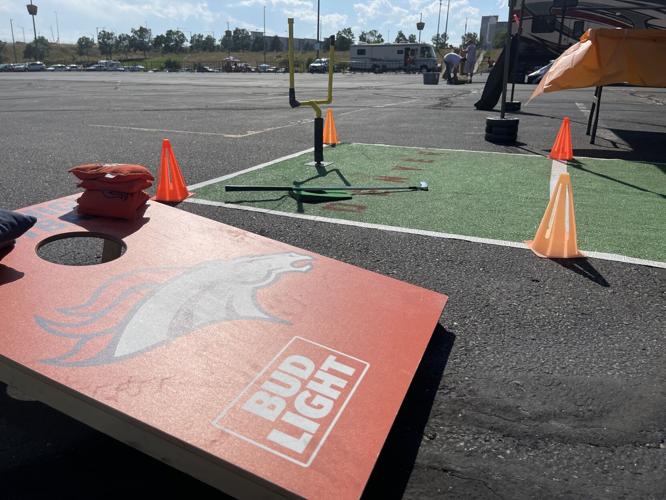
{"type": "Point", "coordinates": [300, 44]}
{"type": "Point", "coordinates": [488, 26]}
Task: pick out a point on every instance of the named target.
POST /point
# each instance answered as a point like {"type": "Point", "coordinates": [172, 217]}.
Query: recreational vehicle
{"type": "Point", "coordinates": [392, 57]}
{"type": "Point", "coordinates": [549, 27]}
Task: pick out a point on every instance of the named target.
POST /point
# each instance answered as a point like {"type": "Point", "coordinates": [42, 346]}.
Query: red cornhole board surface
{"type": "Point", "coordinates": [255, 366]}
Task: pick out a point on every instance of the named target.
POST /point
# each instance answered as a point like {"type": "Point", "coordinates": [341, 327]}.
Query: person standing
{"type": "Point", "coordinates": [470, 54]}
{"type": "Point", "coordinates": [451, 63]}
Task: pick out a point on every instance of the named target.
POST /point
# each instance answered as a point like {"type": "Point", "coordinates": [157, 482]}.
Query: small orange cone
{"type": "Point", "coordinates": [562, 148]}
{"type": "Point", "coordinates": [556, 236]}
{"type": "Point", "coordinates": [171, 185]}
{"type": "Point", "coordinates": [330, 135]}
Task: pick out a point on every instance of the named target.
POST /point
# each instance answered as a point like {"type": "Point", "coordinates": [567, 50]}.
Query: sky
{"type": "Point", "coordinates": [77, 18]}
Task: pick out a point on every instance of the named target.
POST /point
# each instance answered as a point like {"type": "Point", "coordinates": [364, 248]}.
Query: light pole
{"type": "Point", "coordinates": [446, 24]}
{"type": "Point", "coordinates": [263, 40]}
{"type": "Point", "coordinates": [11, 26]}
{"type": "Point", "coordinates": [57, 27]}
{"type": "Point", "coordinates": [420, 25]}
{"type": "Point", "coordinates": [438, 17]}
{"type": "Point", "coordinates": [317, 29]}
{"type": "Point", "coordinates": [32, 10]}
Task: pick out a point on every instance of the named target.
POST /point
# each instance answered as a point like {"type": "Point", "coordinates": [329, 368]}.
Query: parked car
{"type": "Point", "coordinates": [95, 67]}
{"type": "Point", "coordinates": [74, 67]}
{"type": "Point", "coordinates": [5, 67]}
{"type": "Point", "coordinates": [35, 66]}
{"type": "Point", "coordinates": [135, 67]}
{"type": "Point", "coordinates": [536, 76]}
{"type": "Point", "coordinates": [319, 66]}
{"type": "Point", "coordinates": [263, 68]}
{"type": "Point", "coordinates": [57, 67]}
{"type": "Point", "coordinates": [19, 67]}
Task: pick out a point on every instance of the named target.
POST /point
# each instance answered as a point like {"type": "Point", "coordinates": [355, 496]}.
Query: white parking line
{"type": "Point", "coordinates": [199, 185]}
{"type": "Point", "coordinates": [243, 134]}
{"type": "Point", "coordinates": [602, 132]}
{"type": "Point", "coordinates": [420, 232]}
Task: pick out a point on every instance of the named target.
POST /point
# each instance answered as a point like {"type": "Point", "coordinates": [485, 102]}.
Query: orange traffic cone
{"type": "Point", "coordinates": [330, 135]}
{"type": "Point", "coordinates": [171, 185]}
{"type": "Point", "coordinates": [556, 236]}
{"type": "Point", "coordinates": [562, 148]}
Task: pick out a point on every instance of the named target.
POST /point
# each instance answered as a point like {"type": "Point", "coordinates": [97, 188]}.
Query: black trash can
{"type": "Point", "coordinates": [430, 78]}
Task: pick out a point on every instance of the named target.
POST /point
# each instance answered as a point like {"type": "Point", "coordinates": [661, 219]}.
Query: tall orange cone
{"type": "Point", "coordinates": [171, 185]}
{"type": "Point", "coordinates": [330, 134]}
{"type": "Point", "coordinates": [562, 148]}
{"type": "Point", "coordinates": [556, 236]}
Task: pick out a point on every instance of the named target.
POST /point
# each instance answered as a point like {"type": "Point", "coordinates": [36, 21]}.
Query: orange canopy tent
{"type": "Point", "coordinates": [607, 56]}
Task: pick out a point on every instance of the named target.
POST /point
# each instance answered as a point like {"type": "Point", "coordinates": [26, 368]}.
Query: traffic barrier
{"type": "Point", "coordinates": [171, 186]}
{"type": "Point", "coordinates": [556, 236]}
{"type": "Point", "coordinates": [330, 134]}
{"type": "Point", "coordinates": [562, 148]}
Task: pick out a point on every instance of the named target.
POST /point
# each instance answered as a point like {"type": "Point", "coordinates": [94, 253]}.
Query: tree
{"type": "Point", "coordinates": [257, 44]}
{"type": "Point", "coordinates": [122, 43]}
{"type": "Point", "coordinates": [241, 39]}
{"type": "Point", "coordinates": [276, 44]}
{"type": "Point", "coordinates": [196, 42]}
{"type": "Point", "coordinates": [344, 39]}
{"type": "Point", "coordinates": [140, 40]}
{"type": "Point", "coordinates": [84, 44]}
{"type": "Point", "coordinates": [412, 38]}
{"type": "Point", "coordinates": [226, 42]}
{"type": "Point", "coordinates": [499, 39]}
{"type": "Point", "coordinates": [105, 41]}
{"type": "Point", "coordinates": [174, 41]}
{"type": "Point", "coordinates": [468, 38]}
{"type": "Point", "coordinates": [172, 64]}
{"type": "Point", "coordinates": [400, 37]}
{"type": "Point", "coordinates": [372, 36]}
{"type": "Point", "coordinates": [37, 50]}
{"type": "Point", "coordinates": [440, 42]}
{"type": "Point", "coordinates": [209, 44]}
{"type": "Point", "coordinates": [2, 48]}
{"type": "Point", "coordinates": [159, 42]}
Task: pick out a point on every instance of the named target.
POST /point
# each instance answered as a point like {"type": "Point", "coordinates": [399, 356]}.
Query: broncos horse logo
{"type": "Point", "coordinates": [155, 306]}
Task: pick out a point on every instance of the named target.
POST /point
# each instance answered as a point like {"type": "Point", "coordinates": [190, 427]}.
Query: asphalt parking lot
{"type": "Point", "coordinates": [544, 379]}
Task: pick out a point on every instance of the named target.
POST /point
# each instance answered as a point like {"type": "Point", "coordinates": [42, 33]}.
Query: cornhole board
{"type": "Point", "coordinates": [254, 366]}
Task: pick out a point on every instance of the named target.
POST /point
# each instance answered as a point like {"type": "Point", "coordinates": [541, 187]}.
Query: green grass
{"type": "Point", "coordinates": [619, 205]}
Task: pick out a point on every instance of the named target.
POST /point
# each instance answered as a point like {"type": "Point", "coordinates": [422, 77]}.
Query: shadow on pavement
{"type": "Point", "coordinates": [396, 460]}
{"type": "Point", "coordinates": [583, 267]}
{"type": "Point", "coordinates": [643, 146]}
{"type": "Point", "coordinates": [576, 164]}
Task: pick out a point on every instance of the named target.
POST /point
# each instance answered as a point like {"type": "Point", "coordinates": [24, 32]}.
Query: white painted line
{"type": "Point", "coordinates": [161, 130]}
{"type": "Point", "coordinates": [419, 232]}
{"type": "Point", "coordinates": [558, 167]}
{"type": "Point", "coordinates": [191, 132]}
{"type": "Point", "coordinates": [366, 225]}
{"type": "Point", "coordinates": [602, 132]}
{"type": "Point", "coordinates": [251, 169]}
{"type": "Point", "coordinates": [427, 148]}
{"type": "Point", "coordinates": [241, 135]}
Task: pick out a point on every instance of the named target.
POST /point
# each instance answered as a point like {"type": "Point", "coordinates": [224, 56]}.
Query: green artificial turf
{"type": "Point", "coordinates": [620, 206]}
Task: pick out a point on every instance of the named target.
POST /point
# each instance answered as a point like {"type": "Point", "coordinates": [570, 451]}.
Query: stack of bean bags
{"type": "Point", "coordinates": [113, 189]}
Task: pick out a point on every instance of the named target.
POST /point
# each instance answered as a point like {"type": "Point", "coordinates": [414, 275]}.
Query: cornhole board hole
{"type": "Point", "coordinates": [254, 366]}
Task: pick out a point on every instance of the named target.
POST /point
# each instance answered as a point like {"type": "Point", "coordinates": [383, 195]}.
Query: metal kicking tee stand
{"type": "Point", "coordinates": [294, 103]}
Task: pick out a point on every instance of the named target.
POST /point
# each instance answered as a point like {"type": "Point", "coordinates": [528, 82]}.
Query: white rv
{"type": "Point", "coordinates": [392, 57]}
